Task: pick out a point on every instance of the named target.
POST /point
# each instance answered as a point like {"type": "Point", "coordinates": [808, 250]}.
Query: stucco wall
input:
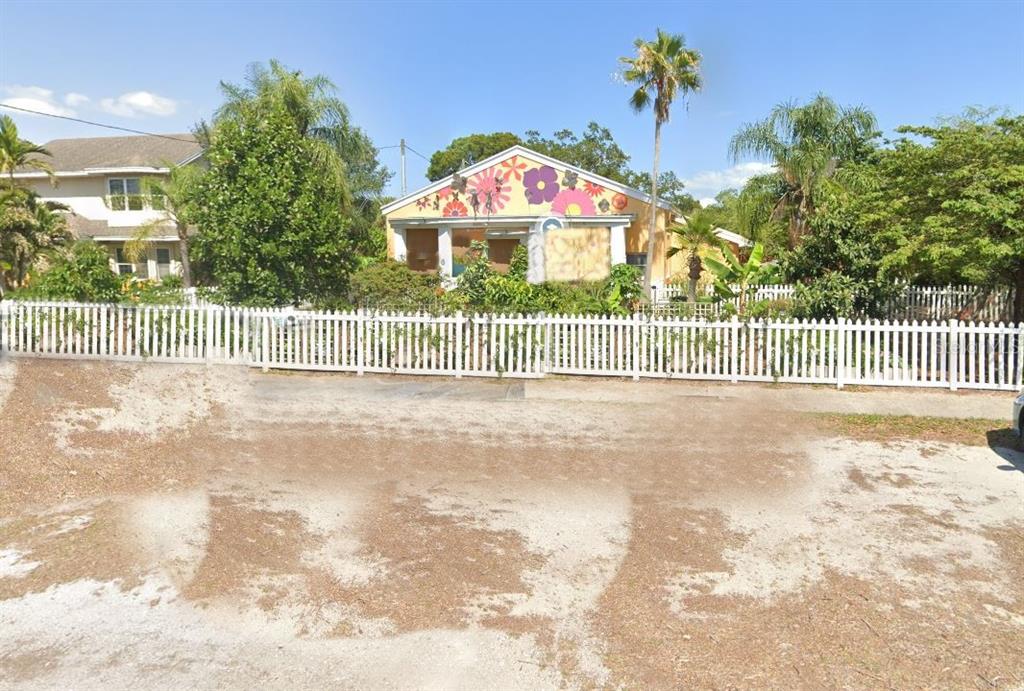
{"type": "Point", "coordinates": [86, 196]}
{"type": "Point", "coordinates": [577, 253]}
{"type": "Point", "coordinates": [530, 188]}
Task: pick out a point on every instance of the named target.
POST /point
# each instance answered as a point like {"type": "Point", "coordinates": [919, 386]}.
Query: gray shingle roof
{"type": "Point", "coordinates": [120, 152]}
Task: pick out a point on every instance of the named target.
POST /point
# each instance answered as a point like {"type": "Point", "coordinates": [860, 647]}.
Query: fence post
{"type": "Point", "coordinates": [265, 341]}
{"type": "Point", "coordinates": [734, 362]}
{"type": "Point", "coordinates": [636, 346]}
{"type": "Point", "coordinates": [360, 342]}
{"type": "Point", "coordinates": [208, 343]}
{"type": "Point", "coordinates": [458, 344]}
{"type": "Point", "coordinates": [954, 353]}
{"type": "Point", "coordinates": [545, 363]}
{"type": "Point", "coordinates": [840, 351]}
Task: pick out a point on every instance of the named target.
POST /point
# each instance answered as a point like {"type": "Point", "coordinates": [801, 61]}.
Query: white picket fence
{"type": "Point", "coordinates": [949, 354]}
{"type": "Point", "coordinates": [915, 302]}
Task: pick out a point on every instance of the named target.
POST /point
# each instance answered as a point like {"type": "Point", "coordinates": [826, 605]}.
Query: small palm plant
{"type": "Point", "coordinates": [173, 196]}
{"type": "Point", "coordinates": [696, 233]}
{"type": "Point", "coordinates": [735, 279]}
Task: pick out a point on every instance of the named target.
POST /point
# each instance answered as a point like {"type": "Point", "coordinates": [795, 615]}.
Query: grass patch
{"type": "Point", "coordinates": [968, 431]}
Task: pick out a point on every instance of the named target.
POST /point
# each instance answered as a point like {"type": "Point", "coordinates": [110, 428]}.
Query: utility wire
{"type": "Point", "coordinates": [97, 124]}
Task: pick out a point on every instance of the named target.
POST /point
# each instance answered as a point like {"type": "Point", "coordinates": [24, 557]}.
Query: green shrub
{"type": "Point", "coordinates": [623, 289]}
{"type": "Point", "coordinates": [83, 275]}
{"type": "Point", "coordinates": [392, 285]}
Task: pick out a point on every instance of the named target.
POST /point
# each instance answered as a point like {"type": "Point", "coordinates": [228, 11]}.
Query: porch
{"type": "Point", "coordinates": [559, 248]}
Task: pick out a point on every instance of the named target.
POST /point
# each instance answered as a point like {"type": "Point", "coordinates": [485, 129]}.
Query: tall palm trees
{"type": "Point", "coordinates": [662, 69]}
{"type": "Point", "coordinates": [694, 235]}
{"type": "Point", "coordinates": [16, 152]}
{"type": "Point", "coordinates": [807, 144]}
{"type": "Point", "coordinates": [319, 115]}
{"type": "Point", "coordinates": [28, 226]}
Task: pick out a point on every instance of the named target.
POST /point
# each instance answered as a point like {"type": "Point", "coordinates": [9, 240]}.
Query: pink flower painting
{"type": "Point", "coordinates": [573, 203]}
{"type": "Point", "coordinates": [492, 192]}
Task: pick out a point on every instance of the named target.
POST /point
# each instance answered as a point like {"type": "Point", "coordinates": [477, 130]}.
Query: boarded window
{"type": "Point", "coordinates": [421, 248]}
{"type": "Point", "coordinates": [500, 253]}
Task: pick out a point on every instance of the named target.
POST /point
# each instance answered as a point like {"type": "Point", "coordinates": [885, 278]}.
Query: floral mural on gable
{"type": "Point", "coordinates": [491, 192]}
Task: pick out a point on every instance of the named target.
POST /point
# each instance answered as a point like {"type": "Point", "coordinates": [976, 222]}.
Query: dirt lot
{"type": "Point", "coordinates": [173, 527]}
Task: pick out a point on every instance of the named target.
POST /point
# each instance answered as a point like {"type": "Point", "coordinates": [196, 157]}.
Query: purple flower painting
{"type": "Point", "coordinates": [541, 184]}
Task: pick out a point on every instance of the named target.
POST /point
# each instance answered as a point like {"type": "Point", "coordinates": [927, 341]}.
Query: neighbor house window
{"type": "Point", "coordinates": [127, 268]}
{"type": "Point", "coordinates": [125, 194]}
{"type": "Point", "coordinates": [163, 262]}
{"type": "Point", "coordinates": [639, 259]}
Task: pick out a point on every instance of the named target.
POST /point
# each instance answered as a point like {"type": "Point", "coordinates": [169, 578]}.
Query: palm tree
{"type": "Point", "coordinates": [16, 152]}
{"type": "Point", "coordinates": [174, 195]}
{"type": "Point", "coordinates": [807, 144]}
{"type": "Point", "coordinates": [694, 234]}
{"type": "Point", "coordinates": [319, 115]}
{"type": "Point", "coordinates": [661, 69]}
{"type": "Point", "coordinates": [29, 228]}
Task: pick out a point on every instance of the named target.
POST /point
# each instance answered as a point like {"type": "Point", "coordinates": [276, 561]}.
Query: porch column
{"type": "Point", "coordinates": [444, 250]}
{"type": "Point", "coordinates": [399, 240]}
{"type": "Point", "coordinates": [535, 251]}
{"type": "Point", "coordinates": [618, 241]}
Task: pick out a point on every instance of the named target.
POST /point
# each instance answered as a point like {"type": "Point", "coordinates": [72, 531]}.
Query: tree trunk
{"type": "Point", "coordinates": [695, 269]}
{"type": "Point", "coordinates": [186, 264]}
{"type": "Point", "coordinates": [653, 226]}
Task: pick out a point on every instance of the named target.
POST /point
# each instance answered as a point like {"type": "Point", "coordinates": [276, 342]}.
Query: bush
{"type": "Point", "coordinates": [623, 288]}
{"type": "Point", "coordinates": [392, 285]}
{"type": "Point", "coordinates": [83, 275]}
{"type": "Point", "coordinates": [830, 295]}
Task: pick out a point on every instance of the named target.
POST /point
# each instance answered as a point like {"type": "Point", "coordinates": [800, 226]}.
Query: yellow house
{"type": "Point", "coordinates": [574, 224]}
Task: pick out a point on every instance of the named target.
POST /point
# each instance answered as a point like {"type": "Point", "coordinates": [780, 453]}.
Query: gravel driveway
{"type": "Point", "coordinates": [191, 527]}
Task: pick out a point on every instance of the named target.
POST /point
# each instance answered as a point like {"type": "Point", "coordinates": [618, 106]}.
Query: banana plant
{"type": "Point", "coordinates": [734, 279]}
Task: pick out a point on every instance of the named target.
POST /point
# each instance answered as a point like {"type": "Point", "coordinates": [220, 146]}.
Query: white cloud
{"type": "Point", "coordinates": [706, 184]}
{"type": "Point", "coordinates": [707, 201]}
{"type": "Point", "coordinates": [75, 99]}
{"type": "Point", "coordinates": [136, 103]}
{"type": "Point", "coordinates": [34, 98]}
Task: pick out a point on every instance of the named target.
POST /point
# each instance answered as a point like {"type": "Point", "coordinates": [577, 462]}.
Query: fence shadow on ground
{"type": "Point", "coordinates": [1006, 444]}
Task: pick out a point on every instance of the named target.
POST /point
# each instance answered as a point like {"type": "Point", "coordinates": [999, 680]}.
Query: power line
{"type": "Point", "coordinates": [417, 153]}
{"type": "Point", "coordinates": [97, 124]}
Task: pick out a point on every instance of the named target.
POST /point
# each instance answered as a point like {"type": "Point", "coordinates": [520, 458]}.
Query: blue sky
{"type": "Point", "coordinates": [433, 71]}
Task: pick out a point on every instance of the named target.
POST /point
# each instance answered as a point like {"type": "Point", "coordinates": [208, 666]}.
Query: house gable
{"type": "Point", "coordinates": [519, 182]}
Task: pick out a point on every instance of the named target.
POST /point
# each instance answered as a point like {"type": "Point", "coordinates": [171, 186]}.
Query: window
{"type": "Point", "coordinates": [163, 262]}
{"type": "Point", "coordinates": [639, 259]}
{"type": "Point", "coordinates": [125, 194]}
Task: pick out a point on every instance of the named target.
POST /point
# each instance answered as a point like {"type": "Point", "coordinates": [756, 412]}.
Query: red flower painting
{"type": "Point", "coordinates": [593, 189]}
{"type": "Point", "coordinates": [492, 192]}
{"type": "Point", "coordinates": [512, 168]}
{"type": "Point", "coordinates": [455, 208]}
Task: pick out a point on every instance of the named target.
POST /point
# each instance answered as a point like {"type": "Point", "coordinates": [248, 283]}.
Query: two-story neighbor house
{"type": "Point", "coordinates": [101, 181]}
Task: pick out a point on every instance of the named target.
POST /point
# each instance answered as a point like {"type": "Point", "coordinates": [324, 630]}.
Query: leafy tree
{"type": "Point", "coordinates": [670, 189]}
{"type": "Point", "coordinates": [83, 275]}
{"type": "Point", "coordinates": [175, 196]}
{"type": "Point", "coordinates": [268, 237]}
{"type": "Point", "coordinates": [16, 152]}
{"type": "Point", "coordinates": [693, 236]}
{"type": "Point", "coordinates": [623, 289]}
{"type": "Point", "coordinates": [661, 70]}
{"type": "Point", "coordinates": [466, 151]}
{"type": "Point", "coordinates": [951, 200]}
{"type": "Point", "coordinates": [595, 151]}
{"type": "Point", "coordinates": [807, 144]}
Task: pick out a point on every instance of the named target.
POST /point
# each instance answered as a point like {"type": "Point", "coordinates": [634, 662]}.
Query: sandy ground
{"type": "Point", "coordinates": [189, 527]}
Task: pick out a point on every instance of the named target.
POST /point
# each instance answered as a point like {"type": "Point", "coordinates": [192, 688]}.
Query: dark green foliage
{"type": "Point", "coordinates": [595, 151]}
{"type": "Point", "coordinates": [392, 285]}
{"type": "Point", "coordinates": [272, 232]}
{"type": "Point", "coordinates": [82, 275]}
{"type": "Point", "coordinates": [466, 151]}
